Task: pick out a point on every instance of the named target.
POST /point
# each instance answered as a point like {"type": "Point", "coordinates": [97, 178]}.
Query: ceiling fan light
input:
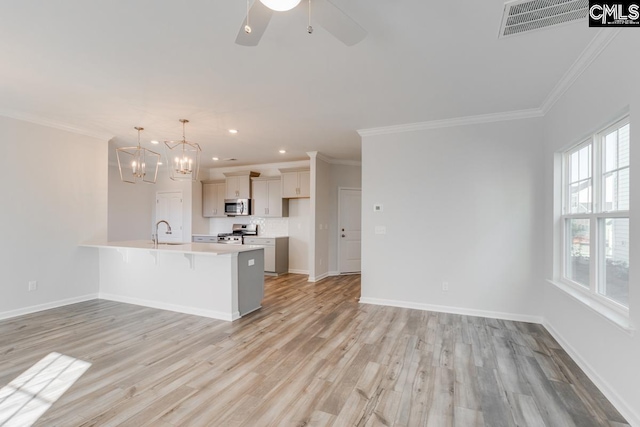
{"type": "Point", "coordinates": [280, 5]}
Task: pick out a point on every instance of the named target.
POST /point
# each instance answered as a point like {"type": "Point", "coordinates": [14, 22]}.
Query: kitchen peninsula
{"type": "Point", "coordinates": [213, 280]}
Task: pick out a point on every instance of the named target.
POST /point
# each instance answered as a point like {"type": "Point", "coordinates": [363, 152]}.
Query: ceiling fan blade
{"type": "Point", "coordinates": [336, 22]}
{"type": "Point", "coordinates": [259, 17]}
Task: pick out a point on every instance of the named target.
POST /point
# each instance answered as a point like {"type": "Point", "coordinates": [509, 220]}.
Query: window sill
{"type": "Point", "coordinates": [618, 319]}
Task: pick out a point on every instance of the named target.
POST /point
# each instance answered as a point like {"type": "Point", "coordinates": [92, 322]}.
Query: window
{"type": "Point", "coordinates": [595, 216]}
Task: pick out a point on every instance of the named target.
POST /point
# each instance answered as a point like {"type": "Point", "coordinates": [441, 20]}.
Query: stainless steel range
{"type": "Point", "coordinates": [237, 233]}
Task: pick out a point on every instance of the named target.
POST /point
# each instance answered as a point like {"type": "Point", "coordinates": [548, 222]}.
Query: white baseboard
{"type": "Point", "coordinates": [295, 271]}
{"type": "Point", "coordinates": [627, 411]}
{"type": "Point", "coordinates": [318, 278]}
{"type": "Point", "coordinates": [453, 310]}
{"type": "Point", "coordinates": [219, 315]}
{"type": "Point", "coordinates": [46, 306]}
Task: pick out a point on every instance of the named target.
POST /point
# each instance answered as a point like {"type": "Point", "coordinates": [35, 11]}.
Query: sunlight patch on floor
{"type": "Point", "coordinates": [26, 398]}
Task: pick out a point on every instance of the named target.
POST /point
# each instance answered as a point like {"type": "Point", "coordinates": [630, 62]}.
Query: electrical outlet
{"type": "Point", "coordinates": [378, 208]}
{"type": "Point", "coordinates": [33, 285]}
{"type": "Point", "coordinates": [445, 286]}
{"type": "Point", "coordinates": [252, 262]}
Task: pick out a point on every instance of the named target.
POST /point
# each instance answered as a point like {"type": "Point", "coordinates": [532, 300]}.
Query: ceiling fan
{"type": "Point", "coordinates": [325, 13]}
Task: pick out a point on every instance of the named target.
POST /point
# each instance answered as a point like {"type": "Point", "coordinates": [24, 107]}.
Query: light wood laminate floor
{"type": "Point", "coordinates": [311, 356]}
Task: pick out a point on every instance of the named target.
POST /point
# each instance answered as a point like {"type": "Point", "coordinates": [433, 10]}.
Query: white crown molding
{"type": "Point", "coordinates": [595, 47]}
{"type": "Point", "coordinates": [262, 166]}
{"type": "Point", "coordinates": [54, 124]}
{"type": "Point", "coordinates": [321, 156]}
{"type": "Point", "coordinates": [346, 162]}
{"type": "Point", "coordinates": [335, 161]}
{"type": "Point", "coordinates": [457, 121]}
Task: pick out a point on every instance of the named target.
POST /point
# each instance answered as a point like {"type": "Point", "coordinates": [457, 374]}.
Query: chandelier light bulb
{"type": "Point", "coordinates": [280, 5]}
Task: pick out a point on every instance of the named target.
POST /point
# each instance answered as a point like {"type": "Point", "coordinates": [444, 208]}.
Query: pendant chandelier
{"type": "Point", "coordinates": [138, 163]}
{"type": "Point", "coordinates": [184, 157]}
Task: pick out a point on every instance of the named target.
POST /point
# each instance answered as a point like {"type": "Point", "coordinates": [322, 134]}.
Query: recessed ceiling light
{"type": "Point", "coordinates": [159, 163]}
{"type": "Point", "coordinates": [283, 151]}
{"type": "Point", "coordinates": [216, 159]}
{"type": "Point", "coordinates": [233, 131]}
{"type": "Point", "coordinates": [154, 142]}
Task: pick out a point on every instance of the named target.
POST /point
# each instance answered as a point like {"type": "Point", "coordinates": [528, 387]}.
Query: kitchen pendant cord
{"type": "Point", "coordinates": [309, 27]}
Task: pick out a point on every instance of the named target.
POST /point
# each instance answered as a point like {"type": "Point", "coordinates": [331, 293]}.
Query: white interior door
{"type": "Point", "coordinates": [169, 208]}
{"type": "Point", "coordinates": [350, 232]}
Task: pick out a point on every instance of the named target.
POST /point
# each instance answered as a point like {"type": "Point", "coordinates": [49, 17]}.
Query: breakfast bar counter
{"type": "Point", "coordinates": [207, 279]}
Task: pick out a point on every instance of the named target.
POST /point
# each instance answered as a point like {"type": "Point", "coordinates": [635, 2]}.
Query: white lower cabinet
{"type": "Point", "coordinates": [276, 253]}
{"type": "Point", "coordinates": [205, 239]}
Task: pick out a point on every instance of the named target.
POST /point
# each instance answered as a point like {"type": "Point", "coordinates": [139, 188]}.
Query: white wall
{"type": "Point", "coordinates": [608, 354]}
{"type": "Point", "coordinates": [199, 224]}
{"type": "Point", "coordinates": [345, 176]}
{"type": "Point", "coordinates": [321, 203]}
{"type": "Point", "coordinates": [462, 205]}
{"type": "Point", "coordinates": [55, 190]}
{"type": "Point", "coordinates": [130, 205]}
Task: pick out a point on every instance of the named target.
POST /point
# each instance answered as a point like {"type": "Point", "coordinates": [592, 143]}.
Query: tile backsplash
{"type": "Point", "coordinates": [271, 226]}
{"type": "Point", "coordinates": [266, 226]}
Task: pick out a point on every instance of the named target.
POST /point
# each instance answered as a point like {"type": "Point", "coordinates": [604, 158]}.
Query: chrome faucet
{"type": "Point", "coordinates": [155, 236]}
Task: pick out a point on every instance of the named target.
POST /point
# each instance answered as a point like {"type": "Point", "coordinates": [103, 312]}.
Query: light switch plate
{"type": "Point", "coordinates": [252, 262]}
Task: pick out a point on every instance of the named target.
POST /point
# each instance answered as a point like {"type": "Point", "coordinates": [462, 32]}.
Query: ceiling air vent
{"type": "Point", "coordinates": [523, 16]}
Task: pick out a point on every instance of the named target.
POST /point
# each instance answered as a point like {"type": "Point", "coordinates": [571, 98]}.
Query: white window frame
{"type": "Point", "coordinates": [596, 217]}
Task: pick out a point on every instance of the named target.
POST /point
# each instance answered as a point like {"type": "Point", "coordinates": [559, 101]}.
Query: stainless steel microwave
{"type": "Point", "coordinates": [237, 207]}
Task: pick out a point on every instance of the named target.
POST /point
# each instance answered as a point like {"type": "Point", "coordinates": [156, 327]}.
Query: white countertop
{"type": "Point", "coordinates": [185, 248]}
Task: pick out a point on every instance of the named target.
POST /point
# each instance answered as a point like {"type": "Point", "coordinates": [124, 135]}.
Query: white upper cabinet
{"type": "Point", "coordinates": [304, 186]}
{"type": "Point", "coordinates": [239, 184]}
{"type": "Point", "coordinates": [213, 195]}
{"type": "Point", "coordinates": [267, 198]}
{"type": "Point", "coordinates": [296, 183]}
